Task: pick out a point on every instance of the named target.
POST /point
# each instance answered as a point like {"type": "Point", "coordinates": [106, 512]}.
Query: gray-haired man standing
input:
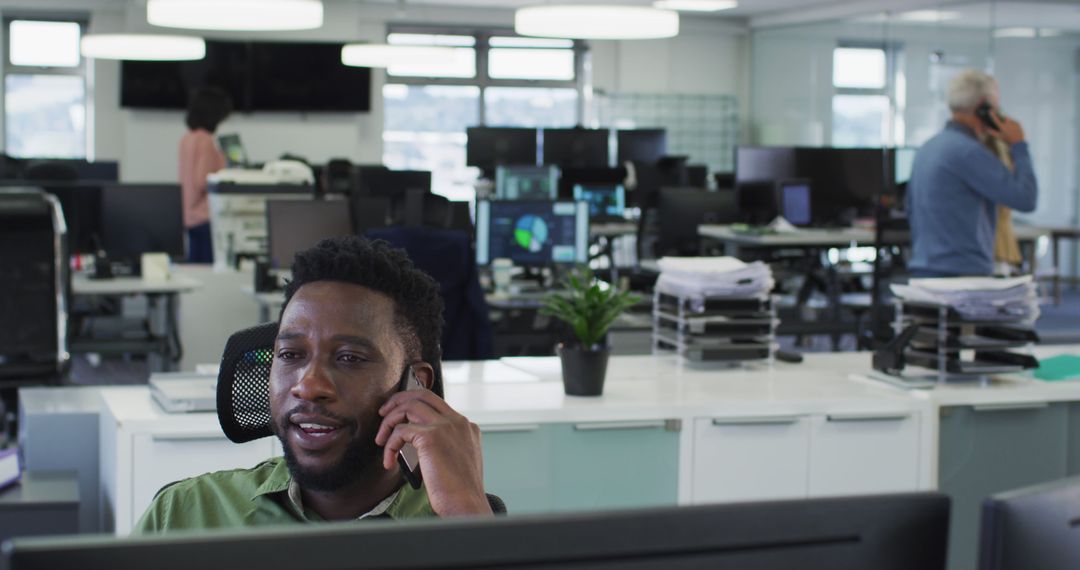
{"type": "Point", "coordinates": [957, 183]}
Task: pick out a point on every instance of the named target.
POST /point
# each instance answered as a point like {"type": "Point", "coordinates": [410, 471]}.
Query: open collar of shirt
{"type": "Point", "coordinates": [961, 128]}
{"type": "Point", "coordinates": [404, 503]}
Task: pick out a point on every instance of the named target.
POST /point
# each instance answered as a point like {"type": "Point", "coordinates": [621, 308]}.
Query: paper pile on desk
{"type": "Point", "coordinates": [977, 298]}
{"type": "Point", "coordinates": [714, 277]}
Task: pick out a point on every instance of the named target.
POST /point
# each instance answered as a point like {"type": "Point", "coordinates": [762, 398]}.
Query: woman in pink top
{"type": "Point", "coordinates": [200, 156]}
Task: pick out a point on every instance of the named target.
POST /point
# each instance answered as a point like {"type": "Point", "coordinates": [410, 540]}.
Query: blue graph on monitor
{"type": "Point", "coordinates": [531, 233]}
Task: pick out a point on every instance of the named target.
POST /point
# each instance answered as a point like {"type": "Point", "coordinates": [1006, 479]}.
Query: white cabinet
{"type": "Point", "coordinates": [819, 454]}
{"type": "Point", "coordinates": [143, 449]}
{"type": "Point", "coordinates": [750, 458]}
{"type": "Point", "coordinates": [864, 453]}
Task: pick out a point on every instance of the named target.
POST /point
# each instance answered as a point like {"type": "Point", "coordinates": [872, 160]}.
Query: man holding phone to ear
{"type": "Point", "coordinates": [957, 183]}
{"type": "Point", "coordinates": [355, 380]}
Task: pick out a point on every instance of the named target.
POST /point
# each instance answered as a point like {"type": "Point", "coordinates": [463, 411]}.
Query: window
{"type": "Point", "coordinates": [44, 90]}
{"type": "Point", "coordinates": [864, 114]}
{"type": "Point", "coordinates": [496, 79]}
{"type": "Point", "coordinates": [425, 130]}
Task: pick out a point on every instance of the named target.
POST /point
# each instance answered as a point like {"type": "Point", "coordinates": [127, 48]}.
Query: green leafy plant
{"type": "Point", "coordinates": [587, 306]}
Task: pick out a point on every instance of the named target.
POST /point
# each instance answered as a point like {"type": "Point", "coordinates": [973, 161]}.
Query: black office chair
{"type": "Point", "coordinates": [243, 389]}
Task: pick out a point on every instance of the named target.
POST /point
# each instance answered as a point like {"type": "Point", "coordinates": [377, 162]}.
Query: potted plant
{"type": "Point", "coordinates": [589, 307]}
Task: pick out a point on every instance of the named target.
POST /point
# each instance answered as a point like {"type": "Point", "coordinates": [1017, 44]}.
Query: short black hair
{"type": "Point", "coordinates": [207, 108]}
{"type": "Point", "coordinates": [374, 264]}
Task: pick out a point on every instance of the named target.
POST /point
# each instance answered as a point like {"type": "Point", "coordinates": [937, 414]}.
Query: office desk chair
{"type": "Point", "coordinates": [243, 389]}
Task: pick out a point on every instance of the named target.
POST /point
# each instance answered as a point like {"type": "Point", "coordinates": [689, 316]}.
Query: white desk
{"type": "Point", "coordinates": [846, 237]}
{"type": "Point", "coordinates": [163, 320]}
{"type": "Point", "coordinates": [83, 285]}
{"type": "Point", "coordinates": [667, 432]}
{"type": "Point", "coordinates": [269, 303]}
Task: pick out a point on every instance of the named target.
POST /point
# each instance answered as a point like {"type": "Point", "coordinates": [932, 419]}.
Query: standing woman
{"type": "Point", "coordinates": [200, 156]}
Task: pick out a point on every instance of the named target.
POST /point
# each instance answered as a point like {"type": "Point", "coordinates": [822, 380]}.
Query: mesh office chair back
{"type": "Point", "coordinates": [243, 389]}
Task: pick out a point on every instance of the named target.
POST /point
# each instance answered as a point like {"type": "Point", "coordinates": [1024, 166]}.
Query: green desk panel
{"type": "Point", "coordinates": [614, 468]}
{"type": "Point", "coordinates": [983, 452]}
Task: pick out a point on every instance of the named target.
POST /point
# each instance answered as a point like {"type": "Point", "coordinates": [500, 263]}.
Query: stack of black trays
{"type": "Point", "coordinates": [715, 329]}
{"type": "Point", "coordinates": [955, 348]}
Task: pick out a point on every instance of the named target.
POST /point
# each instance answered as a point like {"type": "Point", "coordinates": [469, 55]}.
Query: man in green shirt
{"type": "Point", "coordinates": [357, 317]}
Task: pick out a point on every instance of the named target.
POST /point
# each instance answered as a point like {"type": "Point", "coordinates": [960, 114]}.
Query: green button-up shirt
{"type": "Point", "coordinates": [252, 497]}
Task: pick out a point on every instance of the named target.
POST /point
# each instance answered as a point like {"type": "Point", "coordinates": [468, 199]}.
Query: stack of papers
{"type": "Point", "coordinates": [714, 277]}
{"type": "Point", "coordinates": [977, 298]}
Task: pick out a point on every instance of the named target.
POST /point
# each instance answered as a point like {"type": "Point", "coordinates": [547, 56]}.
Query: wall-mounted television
{"type": "Point", "coordinates": [259, 76]}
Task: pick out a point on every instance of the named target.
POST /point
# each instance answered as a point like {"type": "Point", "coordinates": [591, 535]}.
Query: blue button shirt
{"type": "Point", "coordinates": [956, 184]}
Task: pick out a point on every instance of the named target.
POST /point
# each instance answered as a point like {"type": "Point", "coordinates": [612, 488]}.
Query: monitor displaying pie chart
{"type": "Point", "coordinates": [530, 233]}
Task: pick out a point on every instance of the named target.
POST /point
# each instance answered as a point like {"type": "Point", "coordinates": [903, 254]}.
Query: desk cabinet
{"type": "Point", "coordinates": [583, 466]}
{"type": "Point", "coordinates": [861, 454]}
{"type": "Point", "coordinates": [746, 459]}
{"type": "Point", "coordinates": [796, 456]}
{"type": "Point", "coordinates": [989, 449]}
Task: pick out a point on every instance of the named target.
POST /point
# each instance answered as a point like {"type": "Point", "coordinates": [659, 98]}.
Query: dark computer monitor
{"type": "Point", "coordinates": [888, 532]}
{"type": "Point", "coordinates": [577, 148]}
{"type": "Point", "coordinates": [795, 201]}
{"type": "Point", "coordinates": [605, 201]}
{"type": "Point", "coordinates": [461, 217]}
{"type": "Point", "coordinates": [1033, 528]}
{"type": "Point", "coordinates": [82, 213]}
{"type": "Point", "coordinates": [389, 183]}
{"type": "Point", "coordinates": [142, 218]}
{"type": "Point", "coordinates": [233, 148]}
{"type": "Point", "coordinates": [763, 164]}
{"type": "Point", "coordinates": [681, 210]}
{"type": "Point", "coordinates": [527, 182]}
{"type": "Point", "coordinates": [488, 147]}
{"type": "Point", "coordinates": [368, 212]}
{"type": "Point", "coordinates": [846, 181]}
{"type": "Point", "coordinates": [641, 145]}
{"type": "Point", "coordinates": [532, 233]}
{"type": "Point", "coordinates": [571, 177]}
{"type": "Point", "coordinates": [295, 225]}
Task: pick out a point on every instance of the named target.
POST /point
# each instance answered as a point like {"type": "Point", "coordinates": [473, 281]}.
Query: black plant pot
{"type": "Point", "coordinates": [583, 370]}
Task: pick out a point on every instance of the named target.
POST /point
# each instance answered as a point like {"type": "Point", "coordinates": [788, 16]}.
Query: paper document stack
{"type": "Point", "coordinates": [977, 298]}
{"type": "Point", "coordinates": [714, 277]}
{"type": "Point", "coordinates": [714, 309]}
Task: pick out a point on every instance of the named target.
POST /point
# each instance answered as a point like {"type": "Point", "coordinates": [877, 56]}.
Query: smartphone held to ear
{"type": "Point", "coordinates": [983, 112]}
{"type": "Point", "coordinates": [408, 459]}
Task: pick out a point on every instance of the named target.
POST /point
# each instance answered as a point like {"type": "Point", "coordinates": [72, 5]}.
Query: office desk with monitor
{"type": "Point", "coordinates": [162, 341]}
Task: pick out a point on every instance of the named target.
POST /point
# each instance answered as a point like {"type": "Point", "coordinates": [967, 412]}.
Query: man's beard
{"type": "Point", "coordinates": [361, 454]}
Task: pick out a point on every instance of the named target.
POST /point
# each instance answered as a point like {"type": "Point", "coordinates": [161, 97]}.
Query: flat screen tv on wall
{"type": "Point", "coordinates": [259, 76]}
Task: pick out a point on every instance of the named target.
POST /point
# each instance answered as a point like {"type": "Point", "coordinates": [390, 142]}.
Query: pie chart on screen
{"type": "Point", "coordinates": [530, 233]}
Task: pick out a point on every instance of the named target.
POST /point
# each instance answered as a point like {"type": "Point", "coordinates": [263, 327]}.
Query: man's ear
{"type": "Point", "coordinates": [425, 374]}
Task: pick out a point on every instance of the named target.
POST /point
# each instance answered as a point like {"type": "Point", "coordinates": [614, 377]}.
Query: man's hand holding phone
{"type": "Point", "coordinates": [447, 447]}
{"type": "Point", "coordinates": [1005, 128]}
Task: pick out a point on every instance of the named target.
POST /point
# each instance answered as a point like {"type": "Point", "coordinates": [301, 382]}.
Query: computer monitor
{"type": "Point", "coordinates": [142, 218]}
{"type": "Point", "coordinates": [82, 213]}
{"type": "Point", "coordinates": [295, 225]}
{"type": "Point", "coordinates": [488, 147]}
{"type": "Point", "coordinates": [233, 148]}
{"type": "Point", "coordinates": [681, 210]}
{"type": "Point", "coordinates": [1032, 528]}
{"type": "Point", "coordinates": [605, 201]}
{"type": "Point", "coordinates": [641, 145]}
{"type": "Point", "coordinates": [763, 164]}
{"type": "Point", "coordinates": [527, 182]}
{"type": "Point", "coordinates": [889, 532]}
{"type": "Point", "coordinates": [389, 183]}
{"type": "Point", "coordinates": [581, 148]}
{"type": "Point", "coordinates": [532, 233]}
{"type": "Point", "coordinates": [368, 212]}
{"type": "Point", "coordinates": [795, 201]}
